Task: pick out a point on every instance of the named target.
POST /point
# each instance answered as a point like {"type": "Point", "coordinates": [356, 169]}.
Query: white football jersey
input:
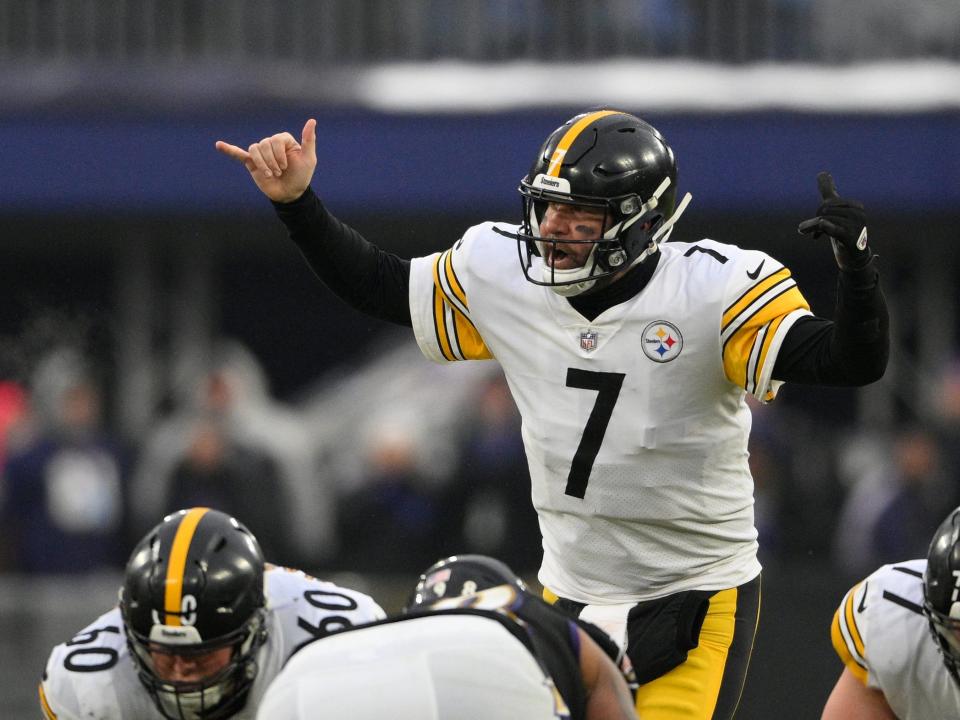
{"type": "Point", "coordinates": [882, 636]}
{"type": "Point", "coordinates": [416, 668]}
{"type": "Point", "coordinates": [93, 676]}
{"type": "Point", "coordinates": [635, 423]}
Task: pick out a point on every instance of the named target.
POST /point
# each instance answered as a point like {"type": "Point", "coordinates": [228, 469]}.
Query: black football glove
{"type": "Point", "coordinates": [844, 221]}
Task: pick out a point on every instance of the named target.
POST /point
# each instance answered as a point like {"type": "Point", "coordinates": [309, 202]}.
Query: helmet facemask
{"type": "Point", "coordinates": [946, 633]}
{"type": "Point", "coordinates": [941, 592]}
{"type": "Point", "coordinates": [632, 229]}
{"type": "Point", "coordinates": [219, 694]}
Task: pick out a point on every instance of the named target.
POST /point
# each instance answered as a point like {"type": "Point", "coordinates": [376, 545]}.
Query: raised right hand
{"type": "Point", "coordinates": [279, 165]}
{"type": "Point", "coordinates": [844, 222]}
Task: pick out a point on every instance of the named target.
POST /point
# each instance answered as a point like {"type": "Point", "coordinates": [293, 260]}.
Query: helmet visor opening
{"type": "Point", "coordinates": [189, 666]}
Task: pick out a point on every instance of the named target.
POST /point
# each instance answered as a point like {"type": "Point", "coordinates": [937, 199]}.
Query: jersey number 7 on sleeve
{"type": "Point", "coordinates": [607, 385]}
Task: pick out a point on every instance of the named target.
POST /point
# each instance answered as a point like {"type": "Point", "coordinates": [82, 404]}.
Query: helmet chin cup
{"type": "Point", "coordinates": [573, 289]}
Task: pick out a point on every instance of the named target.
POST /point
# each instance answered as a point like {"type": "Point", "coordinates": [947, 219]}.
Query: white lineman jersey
{"type": "Point", "coordinates": [417, 668]}
{"type": "Point", "coordinates": [882, 636]}
{"type": "Point", "coordinates": [93, 677]}
{"type": "Point", "coordinates": [635, 423]}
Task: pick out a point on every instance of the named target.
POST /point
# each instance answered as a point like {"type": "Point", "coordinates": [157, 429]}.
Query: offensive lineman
{"type": "Point", "coordinates": [202, 627]}
{"type": "Point", "coordinates": [898, 634]}
{"type": "Point", "coordinates": [629, 359]}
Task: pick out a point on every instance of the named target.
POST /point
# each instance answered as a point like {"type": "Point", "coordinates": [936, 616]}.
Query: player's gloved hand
{"type": "Point", "coordinates": [844, 221]}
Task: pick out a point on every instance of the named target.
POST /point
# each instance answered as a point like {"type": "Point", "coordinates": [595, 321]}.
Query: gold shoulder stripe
{"type": "Point", "coordinates": [48, 712]}
{"type": "Point", "coordinates": [768, 336]}
{"type": "Point", "coordinates": [750, 295]}
{"type": "Point", "coordinates": [440, 324]}
{"type": "Point", "coordinates": [840, 646]}
{"type": "Point", "coordinates": [852, 622]}
{"type": "Point", "coordinates": [846, 637]}
{"type": "Point", "coordinates": [556, 160]}
{"type": "Point", "coordinates": [455, 287]}
{"type": "Point", "coordinates": [457, 336]}
{"type": "Point", "coordinates": [739, 345]}
{"type": "Point", "coordinates": [472, 346]}
{"type": "Point", "coordinates": [173, 586]}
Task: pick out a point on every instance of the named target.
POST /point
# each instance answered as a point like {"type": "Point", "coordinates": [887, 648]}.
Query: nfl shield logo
{"type": "Point", "coordinates": [588, 340]}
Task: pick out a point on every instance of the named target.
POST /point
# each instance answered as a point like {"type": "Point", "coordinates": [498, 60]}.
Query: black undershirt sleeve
{"type": "Point", "coordinates": [358, 272]}
{"type": "Point", "coordinates": [850, 350]}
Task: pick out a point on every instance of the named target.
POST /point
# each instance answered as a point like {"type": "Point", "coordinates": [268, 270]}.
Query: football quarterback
{"type": "Point", "coordinates": [202, 627]}
{"type": "Point", "coordinates": [630, 359]}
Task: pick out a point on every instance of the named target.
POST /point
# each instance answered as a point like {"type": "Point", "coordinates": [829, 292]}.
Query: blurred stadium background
{"type": "Point", "coordinates": [161, 342]}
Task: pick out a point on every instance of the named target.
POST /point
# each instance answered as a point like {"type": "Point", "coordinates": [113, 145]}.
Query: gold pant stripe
{"type": "Point", "coordinates": [690, 691]}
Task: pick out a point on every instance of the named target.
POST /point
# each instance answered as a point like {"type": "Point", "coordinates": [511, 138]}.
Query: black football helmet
{"type": "Point", "coordinates": [461, 575]}
{"type": "Point", "coordinates": [941, 591]}
{"type": "Point", "coordinates": [611, 161]}
{"type": "Point", "coordinates": [194, 585]}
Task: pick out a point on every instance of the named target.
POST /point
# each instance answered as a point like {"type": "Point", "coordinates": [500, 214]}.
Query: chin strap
{"type": "Point", "coordinates": [664, 231]}
{"type": "Point", "coordinates": [640, 212]}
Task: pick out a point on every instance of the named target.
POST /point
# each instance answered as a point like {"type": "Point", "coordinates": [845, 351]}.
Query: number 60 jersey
{"type": "Point", "coordinates": [93, 675]}
{"type": "Point", "coordinates": [635, 423]}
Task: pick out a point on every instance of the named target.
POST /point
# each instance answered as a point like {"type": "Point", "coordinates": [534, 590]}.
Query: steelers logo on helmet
{"type": "Point", "coordinates": [611, 162]}
{"type": "Point", "coordinates": [661, 341]}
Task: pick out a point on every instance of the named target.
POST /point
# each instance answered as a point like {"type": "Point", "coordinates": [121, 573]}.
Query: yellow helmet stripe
{"type": "Point", "coordinates": [173, 587]}
{"type": "Point", "coordinates": [556, 160]}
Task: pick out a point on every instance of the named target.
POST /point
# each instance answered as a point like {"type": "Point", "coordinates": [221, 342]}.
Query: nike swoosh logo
{"type": "Point", "coordinates": [863, 600]}
{"type": "Point", "coordinates": [753, 275]}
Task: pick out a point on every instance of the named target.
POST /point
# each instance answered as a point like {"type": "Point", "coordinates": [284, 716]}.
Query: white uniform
{"type": "Point", "coordinates": [93, 677]}
{"type": "Point", "coordinates": [882, 636]}
{"type": "Point", "coordinates": [649, 396]}
{"type": "Point", "coordinates": [420, 668]}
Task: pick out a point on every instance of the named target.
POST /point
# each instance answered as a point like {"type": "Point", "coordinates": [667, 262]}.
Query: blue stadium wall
{"type": "Point", "coordinates": [377, 163]}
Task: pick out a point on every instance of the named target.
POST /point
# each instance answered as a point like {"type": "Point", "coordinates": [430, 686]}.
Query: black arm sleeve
{"type": "Point", "coordinates": [370, 280]}
{"type": "Point", "coordinates": [850, 350]}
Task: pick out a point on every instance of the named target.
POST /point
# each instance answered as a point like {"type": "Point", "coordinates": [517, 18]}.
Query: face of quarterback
{"type": "Point", "coordinates": [579, 226]}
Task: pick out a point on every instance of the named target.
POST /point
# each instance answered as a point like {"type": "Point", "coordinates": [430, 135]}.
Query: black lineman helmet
{"type": "Point", "coordinates": [611, 161]}
{"type": "Point", "coordinates": [461, 575]}
{"type": "Point", "coordinates": [941, 591]}
{"type": "Point", "coordinates": [194, 586]}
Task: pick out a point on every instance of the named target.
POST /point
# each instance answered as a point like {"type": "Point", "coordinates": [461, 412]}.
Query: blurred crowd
{"type": "Point", "coordinates": [387, 466]}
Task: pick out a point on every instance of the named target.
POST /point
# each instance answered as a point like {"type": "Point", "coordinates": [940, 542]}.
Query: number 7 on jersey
{"type": "Point", "coordinates": [607, 386]}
